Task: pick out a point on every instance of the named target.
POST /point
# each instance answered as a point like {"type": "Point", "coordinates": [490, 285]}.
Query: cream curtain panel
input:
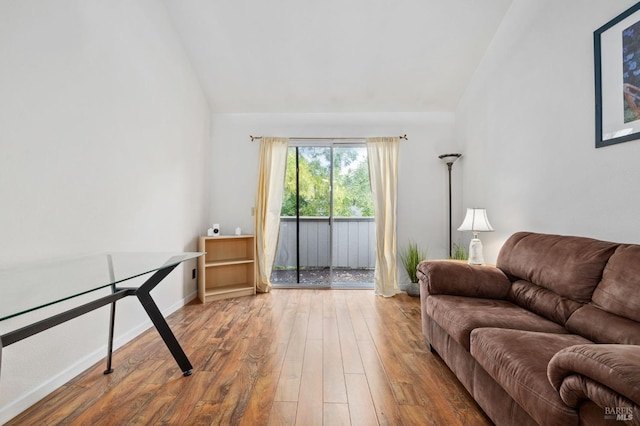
{"type": "Point", "coordinates": [383, 172]}
{"type": "Point", "coordinates": [271, 172]}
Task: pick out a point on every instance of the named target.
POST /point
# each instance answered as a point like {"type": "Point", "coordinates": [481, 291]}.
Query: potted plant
{"type": "Point", "coordinates": [411, 257]}
{"type": "Point", "coordinates": [459, 253]}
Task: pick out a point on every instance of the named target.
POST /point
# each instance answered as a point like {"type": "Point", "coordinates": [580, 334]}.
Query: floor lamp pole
{"type": "Point", "coordinates": [449, 159]}
{"type": "Point", "coordinates": [449, 166]}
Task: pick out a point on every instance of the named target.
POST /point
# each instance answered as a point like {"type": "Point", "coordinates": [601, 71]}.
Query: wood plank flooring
{"type": "Point", "coordinates": [290, 357]}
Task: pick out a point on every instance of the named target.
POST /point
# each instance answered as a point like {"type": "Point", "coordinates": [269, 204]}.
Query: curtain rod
{"type": "Point", "coordinates": [321, 139]}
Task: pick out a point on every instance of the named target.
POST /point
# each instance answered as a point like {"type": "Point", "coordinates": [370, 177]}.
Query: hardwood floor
{"type": "Point", "coordinates": [290, 357]}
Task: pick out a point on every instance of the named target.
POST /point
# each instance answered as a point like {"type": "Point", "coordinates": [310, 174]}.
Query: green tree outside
{"type": "Point", "coordinates": [351, 188]}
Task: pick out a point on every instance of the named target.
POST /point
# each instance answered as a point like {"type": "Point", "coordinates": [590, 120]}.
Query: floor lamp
{"type": "Point", "coordinates": [449, 159]}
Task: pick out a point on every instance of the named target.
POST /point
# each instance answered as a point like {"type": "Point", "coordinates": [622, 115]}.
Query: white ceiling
{"type": "Point", "coordinates": [273, 56]}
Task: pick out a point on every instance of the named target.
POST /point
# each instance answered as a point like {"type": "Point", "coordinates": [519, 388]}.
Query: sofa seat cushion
{"type": "Point", "coordinates": [518, 361]}
{"type": "Point", "coordinates": [459, 315]}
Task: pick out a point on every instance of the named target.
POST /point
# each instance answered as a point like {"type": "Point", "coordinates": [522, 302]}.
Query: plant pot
{"type": "Point", "coordinates": [413, 289]}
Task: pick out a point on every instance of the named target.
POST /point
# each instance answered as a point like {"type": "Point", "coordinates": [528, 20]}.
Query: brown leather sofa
{"type": "Point", "coordinates": [550, 336]}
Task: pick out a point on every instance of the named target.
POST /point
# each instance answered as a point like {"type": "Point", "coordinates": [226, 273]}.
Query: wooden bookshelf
{"type": "Point", "coordinates": [228, 267]}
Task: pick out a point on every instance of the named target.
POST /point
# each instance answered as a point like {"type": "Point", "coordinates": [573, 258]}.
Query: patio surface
{"type": "Point", "coordinates": [319, 277]}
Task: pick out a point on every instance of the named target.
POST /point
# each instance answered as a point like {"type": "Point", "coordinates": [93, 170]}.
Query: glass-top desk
{"type": "Point", "coordinates": [32, 287]}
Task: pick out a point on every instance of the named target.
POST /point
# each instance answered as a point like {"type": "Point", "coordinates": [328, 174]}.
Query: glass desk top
{"type": "Point", "coordinates": [26, 288]}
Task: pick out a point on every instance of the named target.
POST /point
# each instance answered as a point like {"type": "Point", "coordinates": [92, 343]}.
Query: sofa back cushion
{"type": "Point", "coordinates": [570, 267]}
{"type": "Point", "coordinates": [613, 316]}
{"type": "Point", "coordinates": [600, 326]}
{"type": "Point", "coordinates": [619, 290]}
{"type": "Point", "coordinates": [542, 301]}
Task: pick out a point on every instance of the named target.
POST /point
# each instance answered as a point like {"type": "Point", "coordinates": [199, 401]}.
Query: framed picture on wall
{"type": "Point", "coordinates": [617, 78]}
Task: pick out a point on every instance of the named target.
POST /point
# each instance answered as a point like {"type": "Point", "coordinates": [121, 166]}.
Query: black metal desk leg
{"type": "Point", "coordinates": [165, 332]}
{"type": "Point", "coordinates": [143, 294]}
{"type": "Point", "coordinates": [112, 322]}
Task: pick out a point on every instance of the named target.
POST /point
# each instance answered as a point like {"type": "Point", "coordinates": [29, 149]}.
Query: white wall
{"type": "Point", "coordinates": [104, 146]}
{"type": "Point", "coordinates": [527, 126]}
{"type": "Point", "coordinates": [422, 180]}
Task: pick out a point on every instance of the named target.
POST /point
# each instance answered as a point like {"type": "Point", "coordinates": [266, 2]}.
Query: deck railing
{"type": "Point", "coordinates": [353, 242]}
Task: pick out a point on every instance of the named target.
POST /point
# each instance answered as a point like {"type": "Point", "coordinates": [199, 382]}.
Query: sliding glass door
{"type": "Point", "coordinates": [353, 230]}
{"type": "Point", "coordinates": [326, 225]}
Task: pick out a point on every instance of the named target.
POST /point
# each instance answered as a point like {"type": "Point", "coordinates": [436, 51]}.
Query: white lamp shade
{"type": "Point", "coordinates": [476, 221]}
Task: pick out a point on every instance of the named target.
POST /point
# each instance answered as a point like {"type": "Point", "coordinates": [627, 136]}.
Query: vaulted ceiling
{"type": "Point", "coordinates": [271, 56]}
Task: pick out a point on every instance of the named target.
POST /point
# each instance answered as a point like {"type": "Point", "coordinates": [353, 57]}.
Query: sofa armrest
{"type": "Point", "coordinates": [461, 279]}
{"type": "Point", "coordinates": [610, 367]}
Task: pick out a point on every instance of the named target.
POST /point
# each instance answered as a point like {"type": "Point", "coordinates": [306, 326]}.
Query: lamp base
{"type": "Point", "coordinates": [475, 252]}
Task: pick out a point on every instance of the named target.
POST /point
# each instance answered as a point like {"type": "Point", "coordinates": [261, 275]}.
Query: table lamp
{"type": "Point", "coordinates": [476, 221]}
